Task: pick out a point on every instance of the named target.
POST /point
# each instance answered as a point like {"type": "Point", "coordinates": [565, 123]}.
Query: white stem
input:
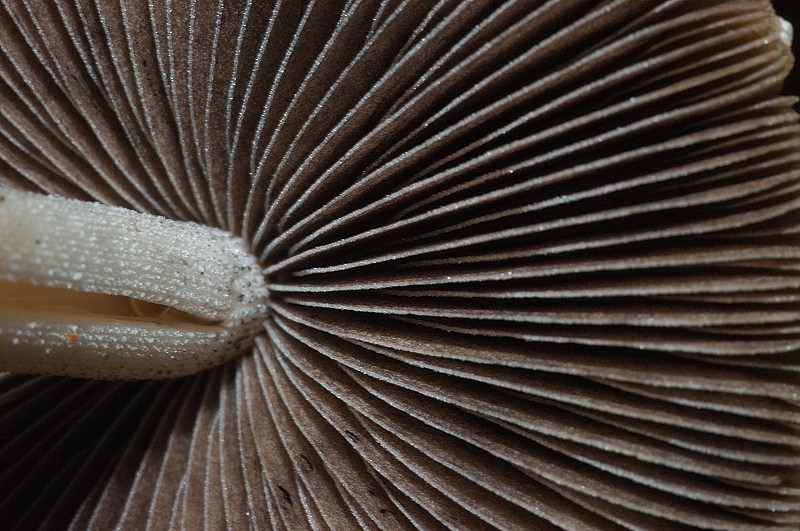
{"type": "Point", "coordinates": [104, 292]}
{"type": "Point", "coordinates": [786, 32]}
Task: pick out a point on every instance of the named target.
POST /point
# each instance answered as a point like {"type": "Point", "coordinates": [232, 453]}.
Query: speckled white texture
{"type": "Point", "coordinates": [786, 32]}
{"type": "Point", "coordinates": [89, 247]}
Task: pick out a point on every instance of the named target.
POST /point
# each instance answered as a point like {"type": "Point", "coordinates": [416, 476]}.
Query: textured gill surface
{"type": "Point", "coordinates": [531, 264]}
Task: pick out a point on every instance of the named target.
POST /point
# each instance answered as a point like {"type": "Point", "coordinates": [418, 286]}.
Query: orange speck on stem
{"type": "Point", "coordinates": [72, 337]}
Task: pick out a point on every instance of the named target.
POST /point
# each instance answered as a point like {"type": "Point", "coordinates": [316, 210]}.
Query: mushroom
{"type": "Point", "coordinates": [787, 9]}
{"type": "Point", "coordinates": [527, 265]}
{"type": "Point", "coordinates": [103, 292]}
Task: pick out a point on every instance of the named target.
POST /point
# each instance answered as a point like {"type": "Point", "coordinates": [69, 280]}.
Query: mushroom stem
{"type": "Point", "coordinates": [104, 292]}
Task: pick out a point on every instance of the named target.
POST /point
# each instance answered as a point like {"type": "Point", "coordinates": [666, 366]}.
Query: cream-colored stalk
{"type": "Point", "coordinates": [95, 291]}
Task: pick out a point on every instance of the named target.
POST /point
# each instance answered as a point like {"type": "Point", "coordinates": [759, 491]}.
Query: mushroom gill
{"type": "Point", "coordinates": [530, 265]}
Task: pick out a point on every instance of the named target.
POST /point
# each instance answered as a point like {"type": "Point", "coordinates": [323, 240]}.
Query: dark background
{"type": "Point", "coordinates": [790, 10]}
